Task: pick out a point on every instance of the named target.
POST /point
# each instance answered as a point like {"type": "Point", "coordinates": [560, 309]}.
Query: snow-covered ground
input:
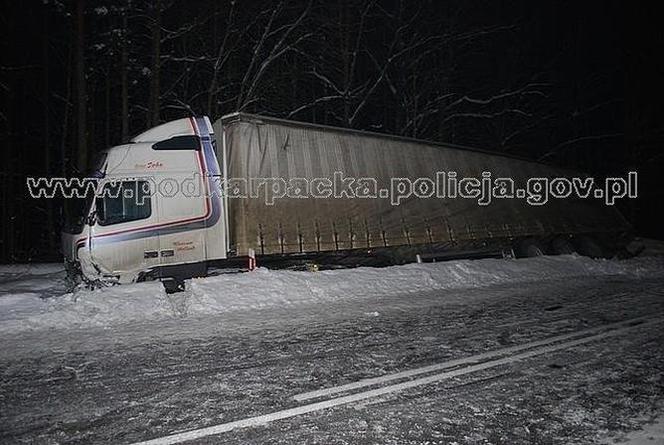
{"type": "Point", "coordinates": [33, 297]}
{"type": "Point", "coordinates": [651, 434]}
{"type": "Point", "coordinates": [131, 363]}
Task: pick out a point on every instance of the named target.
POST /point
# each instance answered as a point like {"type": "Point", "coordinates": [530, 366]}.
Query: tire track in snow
{"type": "Point", "coordinates": [547, 346]}
{"type": "Point", "coordinates": [461, 361]}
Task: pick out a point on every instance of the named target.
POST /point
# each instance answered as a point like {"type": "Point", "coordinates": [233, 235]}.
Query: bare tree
{"type": "Point", "coordinates": [155, 74]}
{"type": "Point", "coordinates": [81, 89]}
{"type": "Point", "coordinates": [124, 68]}
{"type": "Point", "coordinates": [274, 42]}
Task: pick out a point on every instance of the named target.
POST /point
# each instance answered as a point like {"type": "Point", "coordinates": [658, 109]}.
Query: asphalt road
{"type": "Point", "coordinates": [239, 373]}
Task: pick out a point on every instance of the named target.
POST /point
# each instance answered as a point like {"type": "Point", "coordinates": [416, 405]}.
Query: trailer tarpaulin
{"type": "Point", "coordinates": [262, 155]}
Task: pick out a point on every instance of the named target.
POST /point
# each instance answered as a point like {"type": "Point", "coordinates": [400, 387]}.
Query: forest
{"type": "Point", "coordinates": [576, 84]}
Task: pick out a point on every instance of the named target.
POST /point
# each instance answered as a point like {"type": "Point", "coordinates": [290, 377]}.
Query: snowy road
{"type": "Point", "coordinates": [574, 359]}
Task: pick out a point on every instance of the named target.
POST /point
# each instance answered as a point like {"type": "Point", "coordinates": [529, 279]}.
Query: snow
{"type": "Point", "coordinates": [268, 288]}
{"type": "Point", "coordinates": [652, 433]}
{"type": "Point", "coordinates": [33, 298]}
{"type": "Point", "coordinates": [130, 363]}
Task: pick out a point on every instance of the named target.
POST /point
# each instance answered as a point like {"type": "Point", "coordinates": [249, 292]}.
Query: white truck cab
{"type": "Point", "coordinates": [158, 208]}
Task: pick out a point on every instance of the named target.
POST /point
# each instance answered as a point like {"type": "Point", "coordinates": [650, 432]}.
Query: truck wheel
{"type": "Point", "coordinates": [587, 246]}
{"type": "Point", "coordinates": [529, 248]}
{"type": "Point", "coordinates": [562, 246]}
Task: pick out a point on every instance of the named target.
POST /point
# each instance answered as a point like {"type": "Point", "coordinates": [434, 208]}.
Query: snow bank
{"type": "Point", "coordinates": [27, 310]}
{"type": "Point", "coordinates": [23, 287]}
{"type": "Point", "coordinates": [264, 288]}
{"type": "Point", "coordinates": [32, 269]}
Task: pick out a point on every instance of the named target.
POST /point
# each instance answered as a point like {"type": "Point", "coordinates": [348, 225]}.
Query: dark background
{"type": "Point", "coordinates": [573, 83]}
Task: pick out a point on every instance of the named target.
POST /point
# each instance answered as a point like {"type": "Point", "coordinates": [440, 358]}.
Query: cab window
{"type": "Point", "coordinates": [124, 202]}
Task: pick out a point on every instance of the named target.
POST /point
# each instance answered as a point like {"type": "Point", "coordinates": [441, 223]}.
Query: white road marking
{"type": "Point", "coordinates": [304, 409]}
{"type": "Point", "coordinates": [457, 362]}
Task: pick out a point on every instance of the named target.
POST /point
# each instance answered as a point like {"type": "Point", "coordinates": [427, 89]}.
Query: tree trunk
{"type": "Point", "coordinates": [52, 232]}
{"type": "Point", "coordinates": [212, 97]}
{"type": "Point", "coordinates": [81, 93]}
{"type": "Point", "coordinates": [153, 118]}
{"type": "Point", "coordinates": [345, 54]}
{"type": "Point", "coordinates": [124, 67]}
{"type": "Point", "coordinates": [107, 108]}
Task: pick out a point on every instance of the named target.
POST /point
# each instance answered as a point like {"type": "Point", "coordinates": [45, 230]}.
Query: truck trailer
{"type": "Point", "coordinates": [188, 197]}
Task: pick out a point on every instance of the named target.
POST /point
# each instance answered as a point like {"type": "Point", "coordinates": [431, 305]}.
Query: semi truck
{"type": "Point", "coordinates": [188, 197]}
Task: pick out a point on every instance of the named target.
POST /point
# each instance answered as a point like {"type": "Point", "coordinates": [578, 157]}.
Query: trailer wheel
{"type": "Point", "coordinates": [562, 246]}
{"type": "Point", "coordinates": [529, 248]}
{"type": "Point", "coordinates": [587, 246]}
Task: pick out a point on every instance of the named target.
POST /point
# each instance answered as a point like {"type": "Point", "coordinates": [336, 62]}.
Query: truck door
{"type": "Point", "coordinates": [182, 214]}
{"type": "Point", "coordinates": [123, 242]}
